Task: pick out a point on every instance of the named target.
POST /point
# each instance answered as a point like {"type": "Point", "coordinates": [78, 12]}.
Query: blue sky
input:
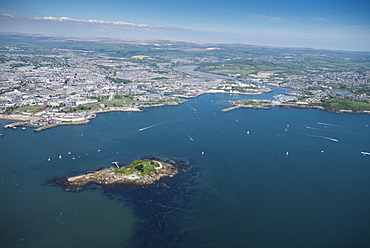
{"type": "Point", "coordinates": [338, 25]}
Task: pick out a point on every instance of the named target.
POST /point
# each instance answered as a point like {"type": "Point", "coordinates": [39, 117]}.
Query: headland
{"type": "Point", "coordinates": [267, 104]}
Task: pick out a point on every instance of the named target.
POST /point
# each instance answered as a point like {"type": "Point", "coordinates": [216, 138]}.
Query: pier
{"type": "Point", "coordinates": [45, 127]}
{"type": "Point", "coordinates": [16, 124]}
{"type": "Point", "coordinates": [116, 164]}
{"type": "Point", "coordinates": [231, 108]}
{"type": "Point", "coordinates": [61, 124]}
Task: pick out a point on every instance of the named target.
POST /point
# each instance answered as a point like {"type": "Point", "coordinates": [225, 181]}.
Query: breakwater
{"type": "Point", "coordinates": [39, 129]}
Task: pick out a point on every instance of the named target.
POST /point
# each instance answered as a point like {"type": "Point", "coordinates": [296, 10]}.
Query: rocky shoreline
{"type": "Point", "coordinates": [296, 106]}
{"type": "Point", "coordinates": [27, 120]}
{"type": "Point", "coordinates": [109, 178]}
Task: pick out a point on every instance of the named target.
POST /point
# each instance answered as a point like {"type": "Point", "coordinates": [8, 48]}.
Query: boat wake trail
{"type": "Point", "coordinates": [155, 125]}
{"type": "Point", "coordinates": [327, 124]}
{"type": "Point", "coordinates": [313, 128]}
{"type": "Point", "coordinates": [192, 108]}
{"type": "Point", "coordinates": [145, 128]}
{"type": "Point", "coordinates": [328, 138]}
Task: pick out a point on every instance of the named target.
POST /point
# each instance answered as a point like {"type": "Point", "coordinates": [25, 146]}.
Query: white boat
{"type": "Point", "coordinates": [247, 132]}
{"type": "Point", "coordinates": [48, 159]}
{"type": "Point", "coordinates": [60, 156]}
{"type": "Point", "coordinates": [365, 153]}
{"type": "Point", "coordinates": [202, 153]}
{"type": "Point", "coordinates": [23, 128]}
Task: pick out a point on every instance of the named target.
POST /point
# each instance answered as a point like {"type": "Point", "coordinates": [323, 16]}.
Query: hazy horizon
{"type": "Point", "coordinates": [333, 25]}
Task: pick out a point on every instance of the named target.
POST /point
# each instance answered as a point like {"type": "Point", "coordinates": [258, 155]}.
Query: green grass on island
{"type": "Point", "coordinates": [250, 102]}
{"type": "Point", "coordinates": [141, 166]}
{"type": "Point", "coordinates": [337, 104]}
{"type": "Point", "coordinates": [331, 104]}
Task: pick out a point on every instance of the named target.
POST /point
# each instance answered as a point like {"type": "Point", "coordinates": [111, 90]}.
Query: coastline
{"type": "Point", "coordinates": [223, 92]}
{"type": "Point", "coordinates": [39, 122]}
{"type": "Point", "coordinates": [88, 120]}
{"type": "Point", "coordinates": [30, 121]}
{"type": "Point", "coordinates": [39, 129]}
{"type": "Point", "coordinates": [296, 106]}
{"type": "Point", "coordinates": [43, 123]}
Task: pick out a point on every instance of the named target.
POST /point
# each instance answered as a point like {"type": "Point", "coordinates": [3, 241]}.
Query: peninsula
{"type": "Point", "coordinates": [139, 173]}
{"type": "Point", "coordinates": [267, 104]}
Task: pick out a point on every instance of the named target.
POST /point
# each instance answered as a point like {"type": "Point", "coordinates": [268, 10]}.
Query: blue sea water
{"type": "Point", "coordinates": [298, 179]}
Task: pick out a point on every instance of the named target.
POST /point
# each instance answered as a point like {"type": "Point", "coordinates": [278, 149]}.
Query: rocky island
{"type": "Point", "coordinates": [139, 173]}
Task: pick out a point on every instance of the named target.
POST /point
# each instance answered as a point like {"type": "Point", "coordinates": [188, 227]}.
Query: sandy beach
{"type": "Point", "coordinates": [19, 118]}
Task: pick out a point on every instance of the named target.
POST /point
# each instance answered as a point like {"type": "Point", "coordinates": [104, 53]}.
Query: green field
{"type": "Point", "coordinates": [307, 64]}
{"type": "Point", "coordinates": [29, 108]}
{"type": "Point", "coordinates": [337, 104]}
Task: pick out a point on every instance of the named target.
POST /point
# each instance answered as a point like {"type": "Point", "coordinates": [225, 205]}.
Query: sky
{"type": "Point", "coordinates": [323, 24]}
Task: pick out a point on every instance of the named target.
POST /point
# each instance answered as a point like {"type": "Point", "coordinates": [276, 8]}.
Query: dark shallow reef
{"type": "Point", "coordinates": [160, 207]}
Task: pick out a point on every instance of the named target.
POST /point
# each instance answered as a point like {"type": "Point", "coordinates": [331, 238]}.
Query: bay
{"type": "Point", "coordinates": [245, 191]}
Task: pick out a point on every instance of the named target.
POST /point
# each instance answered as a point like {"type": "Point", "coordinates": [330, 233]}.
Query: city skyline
{"type": "Point", "coordinates": [334, 25]}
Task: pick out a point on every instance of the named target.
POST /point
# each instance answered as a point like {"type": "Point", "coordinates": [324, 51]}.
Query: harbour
{"type": "Point", "coordinates": [261, 178]}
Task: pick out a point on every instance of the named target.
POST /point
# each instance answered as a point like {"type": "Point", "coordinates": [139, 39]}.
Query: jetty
{"type": "Point", "coordinates": [16, 124]}
{"type": "Point", "coordinates": [116, 164]}
{"type": "Point", "coordinates": [231, 108]}
{"type": "Point", "coordinates": [61, 124]}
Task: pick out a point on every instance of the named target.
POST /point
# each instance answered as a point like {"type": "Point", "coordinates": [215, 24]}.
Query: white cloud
{"type": "Point", "coordinates": [7, 15]}
{"type": "Point", "coordinates": [344, 37]}
{"type": "Point", "coordinates": [320, 19]}
{"type": "Point", "coordinates": [61, 19]}
{"type": "Point", "coordinates": [265, 17]}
